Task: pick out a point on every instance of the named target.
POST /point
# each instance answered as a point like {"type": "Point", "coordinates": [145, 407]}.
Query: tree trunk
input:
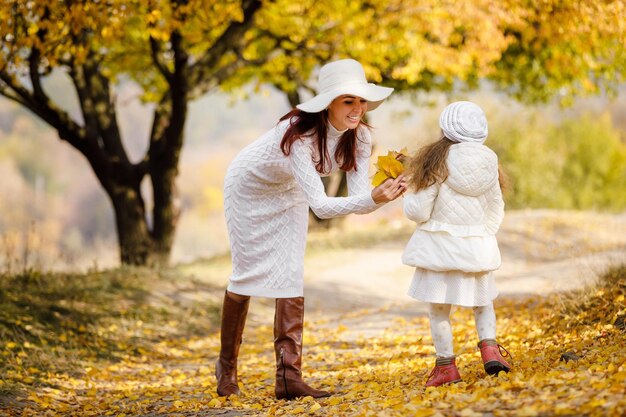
{"type": "Point", "coordinates": [135, 243]}
{"type": "Point", "coordinates": [96, 134]}
{"type": "Point", "coordinates": [166, 213]}
{"type": "Point", "coordinates": [335, 185]}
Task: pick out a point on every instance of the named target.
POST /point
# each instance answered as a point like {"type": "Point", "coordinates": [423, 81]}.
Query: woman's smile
{"type": "Point", "coordinates": [345, 112]}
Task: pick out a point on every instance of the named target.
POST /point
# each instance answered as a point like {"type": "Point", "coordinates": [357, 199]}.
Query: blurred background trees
{"type": "Point", "coordinates": [170, 54]}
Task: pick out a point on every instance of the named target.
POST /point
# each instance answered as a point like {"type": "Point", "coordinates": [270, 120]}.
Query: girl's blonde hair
{"type": "Point", "coordinates": [428, 166]}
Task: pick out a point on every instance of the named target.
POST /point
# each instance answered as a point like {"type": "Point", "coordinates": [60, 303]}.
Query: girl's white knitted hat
{"type": "Point", "coordinates": [464, 121]}
{"type": "Point", "coordinates": [344, 77]}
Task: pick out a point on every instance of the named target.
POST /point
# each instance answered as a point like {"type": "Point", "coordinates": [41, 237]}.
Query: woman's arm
{"type": "Point", "coordinates": [307, 177]}
{"type": "Point", "coordinates": [418, 206]}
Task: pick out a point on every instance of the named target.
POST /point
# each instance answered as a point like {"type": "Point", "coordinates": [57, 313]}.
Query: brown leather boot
{"type": "Point", "coordinates": [233, 321]}
{"type": "Point", "coordinates": [288, 323]}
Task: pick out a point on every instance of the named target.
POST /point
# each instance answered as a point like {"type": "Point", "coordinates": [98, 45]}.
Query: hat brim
{"type": "Point", "coordinates": [373, 93]}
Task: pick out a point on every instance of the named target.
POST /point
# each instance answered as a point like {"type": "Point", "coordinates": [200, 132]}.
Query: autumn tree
{"type": "Point", "coordinates": [180, 50]}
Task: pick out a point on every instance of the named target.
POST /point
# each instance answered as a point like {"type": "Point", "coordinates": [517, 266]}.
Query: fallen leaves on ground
{"type": "Point", "coordinates": [382, 375]}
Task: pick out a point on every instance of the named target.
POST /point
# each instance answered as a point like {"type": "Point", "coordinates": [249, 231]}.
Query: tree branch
{"type": "Point", "coordinates": [6, 92]}
{"type": "Point", "coordinates": [170, 115]}
{"type": "Point", "coordinates": [159, 123]}
{"type": "Point", "coordinates": [203, 68]}
{"type": "Point", "coordinates": [164, 153]}
{"type": "Point", "coordinates": [35, 79]}
{"type": "Point", "coordinates": [200, 88]}
{"type": "Point", "coordinates": [220, 75]}
{"type": "Point", "coordinates": [68, 130]}
{"type": "Point", "coordinates": [86, 104]}
{"type": "Point", "coordinates": [99, 93]}
{"type": "Point", "coordinates": [159, 63]}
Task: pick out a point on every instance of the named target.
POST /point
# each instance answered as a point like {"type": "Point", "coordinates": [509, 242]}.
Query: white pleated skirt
{"type": "Point", "coordinates": [453, 287]}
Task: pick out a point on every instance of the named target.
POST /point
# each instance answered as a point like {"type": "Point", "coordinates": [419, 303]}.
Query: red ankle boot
{"type": "Point", "coordinates": [445, 372]}
{"type": "Point", "coordinates": [492, 353]}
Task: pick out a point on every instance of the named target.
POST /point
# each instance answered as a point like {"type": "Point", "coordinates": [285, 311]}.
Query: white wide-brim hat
{"type": "Point", "coordinates": [464, 121]}
{"type": "Point", "coordinates": [344, 77]}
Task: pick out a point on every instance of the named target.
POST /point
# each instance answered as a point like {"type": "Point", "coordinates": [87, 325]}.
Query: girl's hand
{"type": "Point", "coordinates": [402, 158]}
{"type": "Point", "coordinates": [389, 190]}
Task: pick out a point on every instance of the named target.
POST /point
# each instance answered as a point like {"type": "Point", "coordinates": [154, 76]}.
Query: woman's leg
{"type": "Point", "coordinates": [234, 312]}
{"type": "Point", "coordinates": [288, 329]}
{"type": "Point", "coordinates": [238, 298]}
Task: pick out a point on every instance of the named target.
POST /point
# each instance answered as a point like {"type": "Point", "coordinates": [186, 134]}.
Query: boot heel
{"type": "Point", "coordinates": [495, 367]}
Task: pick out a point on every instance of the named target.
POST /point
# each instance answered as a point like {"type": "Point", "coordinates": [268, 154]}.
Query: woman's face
{"type": "Point", "coordinates": [345, 112]}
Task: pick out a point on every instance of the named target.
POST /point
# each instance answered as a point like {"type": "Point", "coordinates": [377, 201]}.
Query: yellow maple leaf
{"type": "Point", "coordinates": [379, 178]}
{"type": "Point", "coordinates": [389, 166]}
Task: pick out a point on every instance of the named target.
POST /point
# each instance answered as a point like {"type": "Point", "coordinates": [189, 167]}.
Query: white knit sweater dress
{"type": "Point", "coordinates": [454, 248]}
{"type": "Point", "coordinates": [266, 200]}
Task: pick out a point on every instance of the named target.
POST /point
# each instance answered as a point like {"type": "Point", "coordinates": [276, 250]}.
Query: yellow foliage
{"type": "Point", "coordinates": [389, 166]}
{"type": "Point", "coordinates": [407, 40]}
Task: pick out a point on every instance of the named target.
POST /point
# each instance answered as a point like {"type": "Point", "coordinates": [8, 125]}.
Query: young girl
{"type": "Point", "coordinates": [458, 207]}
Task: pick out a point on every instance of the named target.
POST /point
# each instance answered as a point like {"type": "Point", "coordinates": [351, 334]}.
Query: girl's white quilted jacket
{"type": "Point", "coordinates": [457, 220]}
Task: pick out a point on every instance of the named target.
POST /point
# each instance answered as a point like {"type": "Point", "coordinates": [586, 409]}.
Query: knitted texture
{"type": "Point", "coordinates": [266, 201]}
{"type": "Point", "coordinates": [464, 121]}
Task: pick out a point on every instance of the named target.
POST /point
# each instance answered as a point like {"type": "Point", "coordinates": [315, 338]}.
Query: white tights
{"type": "Point", "coordinates": [441, 330]}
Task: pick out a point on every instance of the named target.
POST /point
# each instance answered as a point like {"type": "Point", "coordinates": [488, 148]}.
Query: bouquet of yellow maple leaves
{"type": "Point", "coordinates": [389, 166]}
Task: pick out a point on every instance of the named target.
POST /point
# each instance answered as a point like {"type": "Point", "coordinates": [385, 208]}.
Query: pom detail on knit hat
{"type": "Point", "coordinates": [464, 121]}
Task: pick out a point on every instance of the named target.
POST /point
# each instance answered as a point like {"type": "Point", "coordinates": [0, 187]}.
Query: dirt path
{"type": "Point", "coordinates": [364, 289]}
{"type": "Point", "coordinates": [363, 332]}
{"type": "Point", "coordinates": [543, 251]}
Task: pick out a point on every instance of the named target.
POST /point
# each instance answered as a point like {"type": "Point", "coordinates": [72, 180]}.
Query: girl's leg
{"type": "Point", "coordinates": [490, 351]}
{"type": "Point", "coordinates": [485, 317]}
{"type": "Point", "coordinates": [445, 371]}
{"type": "Point", "coordinates": [441, 330]}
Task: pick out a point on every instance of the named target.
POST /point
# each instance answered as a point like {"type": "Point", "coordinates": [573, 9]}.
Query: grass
{"type": "Point", "coordinates": [603, 303]}
{"type": "Point", "coordinates": [51, 323]}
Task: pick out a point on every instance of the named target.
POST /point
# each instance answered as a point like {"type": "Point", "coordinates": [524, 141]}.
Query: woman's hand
{"type": "Point", "coordinates": [389, 190]}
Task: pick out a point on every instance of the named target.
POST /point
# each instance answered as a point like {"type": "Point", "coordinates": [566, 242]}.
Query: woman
{"type": "Point", "coordinates": [268, 190]}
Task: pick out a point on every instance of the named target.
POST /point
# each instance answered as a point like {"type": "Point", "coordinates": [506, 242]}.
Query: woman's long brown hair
{"type": "Point", "coordinates": [316, 124]}
{"type": "Point", "coordinates": [429, 167]}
